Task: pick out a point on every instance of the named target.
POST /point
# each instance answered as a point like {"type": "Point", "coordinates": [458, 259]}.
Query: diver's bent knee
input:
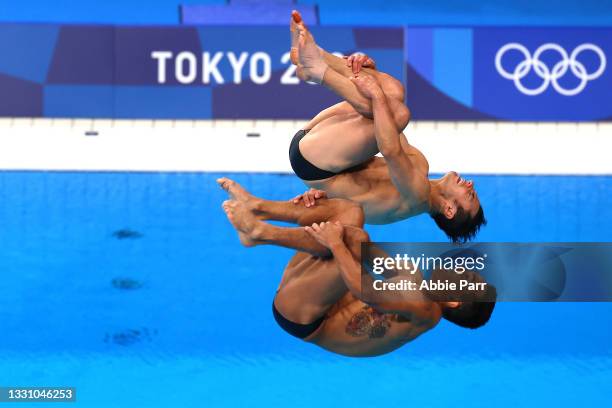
{"type": "Point", "coordinates": [355, 216]}
{"type": "Point", "coordinates": [354, 237]}
{"type": "Point", "coordinates": [402, 116]}
{"type": "Point", "coordinates": [392, 88]}
{"type": "Point", "coordinates": [351, 214]}
{"type": "Point", "coordinates": [356, 234]}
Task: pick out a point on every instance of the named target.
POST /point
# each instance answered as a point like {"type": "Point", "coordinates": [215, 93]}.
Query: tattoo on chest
{"type": "Point", "coordinates": [368, 322]}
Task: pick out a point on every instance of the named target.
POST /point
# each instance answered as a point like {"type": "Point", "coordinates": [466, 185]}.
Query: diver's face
{"type": "Point", "coordinates": [460, 192]}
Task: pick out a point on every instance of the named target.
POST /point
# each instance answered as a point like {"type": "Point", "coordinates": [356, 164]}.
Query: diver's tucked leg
{"type": "Point", "coordinates": [347, 212]}
{"type": "Point", "coordinates": [253, 231]}
{"type": "Point", "coordinates": [310, 286]}
{"type": "Point", "coordinates": [313, 63]}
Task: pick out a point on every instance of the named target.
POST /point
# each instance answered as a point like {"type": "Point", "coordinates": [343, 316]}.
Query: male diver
{"type": "Point", "coordinates": [319, 299]}
{"type": "Point", "coordinates": [336, 151]}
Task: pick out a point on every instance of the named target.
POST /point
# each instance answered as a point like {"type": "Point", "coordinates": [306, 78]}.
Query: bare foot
{"type": "Point", "coordinates": [296, 18]}
{"type": "Point", "coordinates": [248, 227]}
{"type": "Point", "coordinates": [235, 190]}
{"type": "Point", "coordinates": [311, 66]}
{"type": "Point", "coordinates": [238, 193]}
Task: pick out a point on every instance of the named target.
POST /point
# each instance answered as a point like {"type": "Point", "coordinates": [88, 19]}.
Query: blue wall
{"type": "Point", "coordinates": [95, 11]}
{"type": "Point", "coordinates": [352, 12]}
{"type": "Point", "coordinates": [461, 12]}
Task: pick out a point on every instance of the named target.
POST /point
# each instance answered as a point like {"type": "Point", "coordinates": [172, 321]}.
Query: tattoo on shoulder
{"type": "Point", "coordinates": [369, 322]}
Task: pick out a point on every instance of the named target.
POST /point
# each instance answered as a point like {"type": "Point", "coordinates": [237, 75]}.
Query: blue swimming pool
{"type": "Point", "coordinates": [133, 288]}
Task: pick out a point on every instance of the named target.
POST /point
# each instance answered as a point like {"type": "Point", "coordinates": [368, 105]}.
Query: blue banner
{"type": "Point", "coordinates": [520, 74]}
{"type": "Point", "coordinates": [171, 72]}
{"type": "Point", "coordinates": [243, 72]}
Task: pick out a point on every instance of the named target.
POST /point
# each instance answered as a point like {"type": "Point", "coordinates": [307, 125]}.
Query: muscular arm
{"type": "Point", "coordinates": [342, 86]}
{"type": "Point", "coordinates": [350, 269]}
{"type": "Point", "coordinates": [413, 304]}
{"type": "Point", "coordinates": [337, 79]}
{"type": "Point", "coordinates": [387, 136]}
{"type": "Point", "coordinates": [401, 168]}
{"type": "Point", "coordinates": [333, 72]}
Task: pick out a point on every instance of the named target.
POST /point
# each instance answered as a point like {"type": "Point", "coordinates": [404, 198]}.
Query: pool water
{"type": "Point", "coordinates": [133, 288]}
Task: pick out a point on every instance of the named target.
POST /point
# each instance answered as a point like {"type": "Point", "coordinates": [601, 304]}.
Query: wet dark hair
{"type": "Point", "coordinates": [460, 231]}
{"type": "Point", "coordinates": [474, 314]}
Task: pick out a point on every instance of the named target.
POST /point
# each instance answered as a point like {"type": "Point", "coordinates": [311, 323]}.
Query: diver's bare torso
{"type": "Point", "coordinates": [353, 328]}
{"type": "Point", "coordinates": [367, 181]}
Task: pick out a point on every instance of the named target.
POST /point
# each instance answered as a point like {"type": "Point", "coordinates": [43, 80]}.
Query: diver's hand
{"type": "Point", "coordinates": [327, 233]}
{"type": "Point", "coordinates": [310, 197]}
{"type": "Point", "coordinates": [359, 60]}
{"type": "Point", "coordinates": [368, 86]}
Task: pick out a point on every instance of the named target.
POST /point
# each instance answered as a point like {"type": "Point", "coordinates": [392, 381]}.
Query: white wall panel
{"type": "Point", "coordinates": [262, 146]}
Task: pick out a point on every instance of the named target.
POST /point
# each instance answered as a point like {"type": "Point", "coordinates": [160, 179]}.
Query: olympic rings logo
{"type": "Point", "coordinates": [550, 76]}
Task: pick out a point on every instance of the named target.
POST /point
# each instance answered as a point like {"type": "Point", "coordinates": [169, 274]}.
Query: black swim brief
{"type": "Point", "coordinates": [301, 331]}
{"type": "Point", "coordinates": [302, 167]}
